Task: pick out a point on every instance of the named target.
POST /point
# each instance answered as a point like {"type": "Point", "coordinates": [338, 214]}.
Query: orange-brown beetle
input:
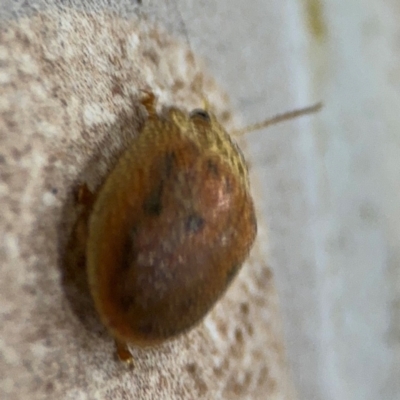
{"type": "Point", "coordinates": [170, 227]}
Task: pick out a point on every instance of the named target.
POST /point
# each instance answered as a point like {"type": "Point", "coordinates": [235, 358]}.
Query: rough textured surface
{"type": "Point", "coordinates": [69, 89]}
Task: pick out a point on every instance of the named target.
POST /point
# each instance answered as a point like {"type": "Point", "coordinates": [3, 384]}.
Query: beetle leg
{"type": "Point", "coordinates": [84, 196]}
{"type": "Point", "coordinates": [123, 352]}
{"type": "Point", "coordinates": [149, 102]}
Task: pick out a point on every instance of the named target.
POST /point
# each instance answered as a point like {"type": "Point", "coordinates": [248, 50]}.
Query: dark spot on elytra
{"type": "Point", "coordinates": [213, 168]}
{"type": "Point", "coordinates": [169, 161]}
{"type": "Point", "coordinates": [194, 223]}
{"type": "Point", "coordinates": [126, 302]}
{"type": "Point", "coordinates": [152, 204]}
{"type": "Point", "coordinates": [129, 252]}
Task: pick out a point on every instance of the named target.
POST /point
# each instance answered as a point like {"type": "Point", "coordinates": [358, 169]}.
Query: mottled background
{"type": "Point", "coordinates": [327, 186]}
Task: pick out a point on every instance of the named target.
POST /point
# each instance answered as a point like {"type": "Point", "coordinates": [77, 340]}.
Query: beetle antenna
{"type": "Point", "coordinates": [279, 118]}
